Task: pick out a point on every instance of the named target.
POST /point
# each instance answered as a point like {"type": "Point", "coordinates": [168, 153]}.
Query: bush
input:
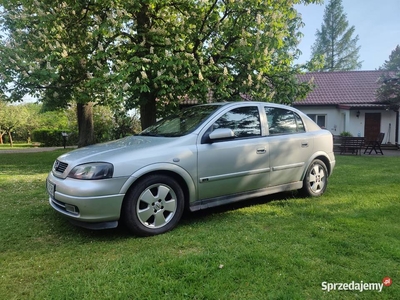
{"type": "Point", "coordinates": [53, 138]}
{"type": "Point", "coordinates": [345, 133]}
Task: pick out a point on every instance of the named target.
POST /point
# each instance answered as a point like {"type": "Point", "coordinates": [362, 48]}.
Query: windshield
{"type": "Point", "coordinates": [186, 121]}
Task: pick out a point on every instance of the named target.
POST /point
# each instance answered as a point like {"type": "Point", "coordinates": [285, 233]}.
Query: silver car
{"type": "Point", "coordinates": [205, 156]}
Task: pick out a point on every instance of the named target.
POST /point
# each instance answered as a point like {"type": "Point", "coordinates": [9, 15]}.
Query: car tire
{"type": "Point", "coordinates": [154, 205]}
{"type": "Point", "coordinates": [316, 179]}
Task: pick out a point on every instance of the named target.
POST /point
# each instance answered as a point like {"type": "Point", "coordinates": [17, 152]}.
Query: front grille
{"type": "Point", "coordinates": [60, 166]}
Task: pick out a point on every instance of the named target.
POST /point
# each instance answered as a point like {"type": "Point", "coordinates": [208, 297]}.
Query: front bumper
{"type": "Point", "coordinates": [93, 201]}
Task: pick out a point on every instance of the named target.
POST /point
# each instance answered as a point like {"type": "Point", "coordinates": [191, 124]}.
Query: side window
{"type": "Point", "coordinates": [244, 121]}
{"type": "Point", "coordinates": [299, 123]}
{"type": "Point", "coordinates": [283, 121]}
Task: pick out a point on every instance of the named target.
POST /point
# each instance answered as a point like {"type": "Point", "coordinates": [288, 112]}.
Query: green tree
{"type": "Point", "coordinates": [3, 106]}
{"type": "Point", "coordinates": [389, 90]}
{"type": "Point", "coordinates": [12, 117]}
{"type": "Point", "coordinates": [32, 121]}
{"type": "Point", "coordinates": [56, 119]}
{"type": "Point", "coordinates": [148, 54]}
{"type": "Point", "coordinates": [49, 53]}
{"type": "Point", "coordinates": [393, 63]}
{"type": "Point", "coordinates": [335, 42]}
{"type": "Point", "coordinates": [36, 119]}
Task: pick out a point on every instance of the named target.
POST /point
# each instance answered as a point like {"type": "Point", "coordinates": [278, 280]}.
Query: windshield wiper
{"type": "Point", "coordinates": [150, 134]}
{"type": "Point", "coordinates": [160, 135]}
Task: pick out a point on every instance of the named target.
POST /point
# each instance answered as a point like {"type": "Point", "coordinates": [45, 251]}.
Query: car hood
{"type": "Point", "coordinates": [107, 152]}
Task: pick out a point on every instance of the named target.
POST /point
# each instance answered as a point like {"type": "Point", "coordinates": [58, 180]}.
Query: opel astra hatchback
{"type": "Point", "coordinates": [204, 156]}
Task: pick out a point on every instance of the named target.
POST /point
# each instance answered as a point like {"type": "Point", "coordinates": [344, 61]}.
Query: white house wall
{"type": "Point", "coordinates": [388, 123]}
{"type": "Point", "coordinates": [339, 120]}
{"type": "Point", "coordinates": [388, 126]}
{"type": "Point", "coordinates": [334, 119]}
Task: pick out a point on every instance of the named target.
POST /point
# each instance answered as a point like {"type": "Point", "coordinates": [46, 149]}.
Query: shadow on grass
{"type": "Point", "coordinates": [69, 230]}
{"type": "Point", "coordinates": [281, 199]}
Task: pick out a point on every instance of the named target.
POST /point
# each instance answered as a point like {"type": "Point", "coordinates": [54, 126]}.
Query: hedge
{"type": "Point", "coordinates": [53, 138]}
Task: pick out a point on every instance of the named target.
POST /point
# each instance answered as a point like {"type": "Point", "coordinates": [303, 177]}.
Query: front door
{"type": "Point", "coordinates": [234, 166]}
{"type": "Point", "coordinates": [372, 126]}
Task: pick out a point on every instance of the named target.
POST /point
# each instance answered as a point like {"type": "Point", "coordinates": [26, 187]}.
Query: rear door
{"type": "Point", "coordinates": [290, 146]}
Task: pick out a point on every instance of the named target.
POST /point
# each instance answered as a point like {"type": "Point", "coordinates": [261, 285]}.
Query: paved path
{"type": "Point", "coordinates": [33, 150]}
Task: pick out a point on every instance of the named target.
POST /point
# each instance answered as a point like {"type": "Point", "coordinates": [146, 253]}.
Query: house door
{"type": "Point", "coordinates": [372, 126]}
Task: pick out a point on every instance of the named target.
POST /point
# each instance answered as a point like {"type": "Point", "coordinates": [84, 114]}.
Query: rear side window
{"type": "Point", "coordinates": [299, 123]}
{"type": "Point", "coordinates": [283, 121]}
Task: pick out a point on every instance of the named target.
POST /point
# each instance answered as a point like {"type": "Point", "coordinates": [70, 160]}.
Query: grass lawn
{"type": "Point", "coordinates": [277, 247]}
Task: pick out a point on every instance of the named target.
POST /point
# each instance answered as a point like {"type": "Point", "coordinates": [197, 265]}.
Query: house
{"type": "Point", "coordinates": [346, 102]}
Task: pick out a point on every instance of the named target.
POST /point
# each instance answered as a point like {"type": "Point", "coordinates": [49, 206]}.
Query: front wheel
{"type": "Point", "coordinates": [316, 179]}
{"type": "Point", "coordinates": [153, 206]}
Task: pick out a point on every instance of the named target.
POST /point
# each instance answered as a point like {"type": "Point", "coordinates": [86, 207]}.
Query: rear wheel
{"type": "Point", "coordinates": [153, 206]}
{"type": "Point", "coordinates": [316, 179]}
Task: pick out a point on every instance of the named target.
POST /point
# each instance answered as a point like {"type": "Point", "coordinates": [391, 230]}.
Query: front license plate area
{"type": "Point", "coordinates": [51, 188]}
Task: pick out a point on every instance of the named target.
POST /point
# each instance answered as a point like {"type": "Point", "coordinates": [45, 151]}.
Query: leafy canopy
{"type": "Point", "coordinates": [150, 54]}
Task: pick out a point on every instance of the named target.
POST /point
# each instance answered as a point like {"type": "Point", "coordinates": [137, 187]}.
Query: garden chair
{"type": "Point", "coordinates": [375, 145]}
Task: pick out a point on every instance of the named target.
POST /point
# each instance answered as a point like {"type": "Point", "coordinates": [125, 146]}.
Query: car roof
{"type": "Point", "coordinates": [234, 103]}
{"type": "Point", "coordinates": [270, 104]}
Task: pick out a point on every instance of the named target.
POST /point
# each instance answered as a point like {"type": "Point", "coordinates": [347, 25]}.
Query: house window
{"type": "Point", "coordinates": [319, 119]}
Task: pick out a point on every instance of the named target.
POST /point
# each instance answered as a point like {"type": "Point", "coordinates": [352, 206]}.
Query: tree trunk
{"type": "Point", "coordinates": [147, 111]}
{"type": "Point", "coordinates": [147, 100]}
{"type": "Point", "coordinates": [85, 124]}
{"type": "Point", "coordinates": [1, 138]}
{"type": "Point", "coordinates": [11, 140]}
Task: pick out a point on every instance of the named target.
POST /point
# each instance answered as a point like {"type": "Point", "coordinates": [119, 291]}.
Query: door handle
{"type": "Point", "coordinates": [261, 151]}
{"type": "Point", "coordinates": [304, 144]}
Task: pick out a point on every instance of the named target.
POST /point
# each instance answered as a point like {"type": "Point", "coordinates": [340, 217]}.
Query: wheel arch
{"type": "Point", "coordinates": [324, 158]}
{"type": "Point", "coordinates": [326, 161]}
{"type": "Point", "coordinates": [182, 177]}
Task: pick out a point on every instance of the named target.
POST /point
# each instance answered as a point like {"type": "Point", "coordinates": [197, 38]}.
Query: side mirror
{"type": "Point", "coordinates": [221, 133]}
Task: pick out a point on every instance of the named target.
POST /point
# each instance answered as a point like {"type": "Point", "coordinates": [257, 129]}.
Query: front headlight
{"type": "Point", "coordinates": [92, 171]}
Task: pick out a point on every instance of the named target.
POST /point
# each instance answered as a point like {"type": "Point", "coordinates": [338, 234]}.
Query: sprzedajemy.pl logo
{"type": "Point", "coordinates": [356, 286]}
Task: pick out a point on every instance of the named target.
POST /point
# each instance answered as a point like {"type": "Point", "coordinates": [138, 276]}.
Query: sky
{"type": "Point", "coordinates": [376, 22]}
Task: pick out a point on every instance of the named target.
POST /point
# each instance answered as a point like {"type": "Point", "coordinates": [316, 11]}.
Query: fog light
{"type": "Point", "coordinates": [71, 208]}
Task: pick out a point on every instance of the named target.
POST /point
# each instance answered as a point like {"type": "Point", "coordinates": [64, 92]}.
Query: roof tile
{"type": "Point", "coordinates": [347, 87]}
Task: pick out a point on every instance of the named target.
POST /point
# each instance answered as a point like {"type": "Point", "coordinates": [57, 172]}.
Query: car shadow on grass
{"type": "Point", "coordinates": [281, 198]}
{"type": "Point", "coordinates": [121, 232]}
